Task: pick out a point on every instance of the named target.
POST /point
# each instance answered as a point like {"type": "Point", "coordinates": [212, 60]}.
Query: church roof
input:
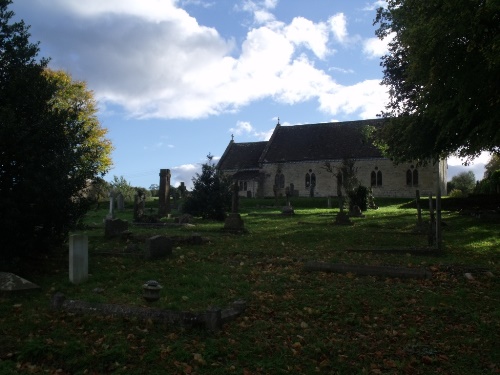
{"type": "Point", "coordinates": [311, 142]}
{"type": "Point", "coordinates": [325, 141]}
{"type": "Point", "coordinates": [241, 156]}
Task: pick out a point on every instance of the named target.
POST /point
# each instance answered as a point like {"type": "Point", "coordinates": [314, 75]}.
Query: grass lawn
{"type": "Point", "coordinates": [296, 322]}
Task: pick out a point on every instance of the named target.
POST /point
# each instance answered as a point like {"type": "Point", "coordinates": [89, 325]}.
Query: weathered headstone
{"type": "Point", "coordinates": [115, 227]}
{"type": "Point", "coordinates": [158, 247]}
{"type": "Point", "coordinates": [234, 222]}
{"type": "Point", "coordinates": [12, 283]}
{"type": "Point", "coordinates": [139, 205]}
{"type": "Point", "coordinates": [164, 193]}
{"type": "Point", "coordinates": [120, 202]}
{"type": "Point", "coordinates": [111, 213]}
{"type": "Point", "coordinates": [78, 258]}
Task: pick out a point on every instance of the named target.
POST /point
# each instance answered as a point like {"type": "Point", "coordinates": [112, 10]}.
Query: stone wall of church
{"type": "Point", "coordinates": [395, 182]}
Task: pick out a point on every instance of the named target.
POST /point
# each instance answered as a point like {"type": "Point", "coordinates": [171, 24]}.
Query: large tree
{"type": "Point", "coordinates": [51, 145]}
{"type": "Point", "coordinates": [442, 70]}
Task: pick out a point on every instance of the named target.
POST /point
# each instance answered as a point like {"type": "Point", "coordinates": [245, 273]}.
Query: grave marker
{"type": "Point", "coordinates": [78, 258]}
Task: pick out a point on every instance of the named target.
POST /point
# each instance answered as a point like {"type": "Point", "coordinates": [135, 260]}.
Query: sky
{"type": "Point", "coordinates": [175, 80]}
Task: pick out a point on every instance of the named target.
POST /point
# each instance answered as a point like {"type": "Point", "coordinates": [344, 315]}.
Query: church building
{"type": "Point", "coordinates": [305, 161]}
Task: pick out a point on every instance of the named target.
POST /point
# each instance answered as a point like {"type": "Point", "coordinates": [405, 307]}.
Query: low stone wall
{"type": "Point", "coordinates": [212, 319]}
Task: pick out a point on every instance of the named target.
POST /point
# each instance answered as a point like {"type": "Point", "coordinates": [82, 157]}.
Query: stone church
{"type": "Point", "coordinates": [295, 160]}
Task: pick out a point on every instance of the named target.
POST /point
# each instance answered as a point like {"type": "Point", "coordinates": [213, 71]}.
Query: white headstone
{"type": "Point", "coordinates": [78, 258]}
{"type": "Point", "coordinates": [111, 214]}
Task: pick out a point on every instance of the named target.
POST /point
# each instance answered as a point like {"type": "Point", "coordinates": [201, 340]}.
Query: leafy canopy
{"type": "Point", "coordinates": [51, 145]}
{"type": "Point", "coordinates": [443, 73]}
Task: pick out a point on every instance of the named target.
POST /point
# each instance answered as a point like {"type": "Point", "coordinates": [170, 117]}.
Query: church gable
{"type": "Point", "coordinates": [316, 142]}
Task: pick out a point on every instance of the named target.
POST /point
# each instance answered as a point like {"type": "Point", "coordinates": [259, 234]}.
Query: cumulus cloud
{"type": "Point", "coordinates": [154, 60]}
{"type": "Point", "coordinates": [375, 47]}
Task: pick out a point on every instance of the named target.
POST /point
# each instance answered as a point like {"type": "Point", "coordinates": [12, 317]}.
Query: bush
{"type": "Point", "coordinates": [211, 195]}
{"type": "Point", "coordinates": [456, 193]}
{"type": "Point", "coordinates": [358, 197]}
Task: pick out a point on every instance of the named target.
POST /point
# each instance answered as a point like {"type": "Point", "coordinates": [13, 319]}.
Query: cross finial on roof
{"type": "Point", "coordinates": [278, 121]}
{"type": "Point", "coordinates": [232, 137]}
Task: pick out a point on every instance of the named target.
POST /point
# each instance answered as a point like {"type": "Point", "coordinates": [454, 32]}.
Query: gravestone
{"type": "Point", "coordinates": [164, 193]}
{"type": "Point", "coordinates": [234, 222]}
{"type": "Point", "coordinates": [158, 247]}
{"type": "Point", "coordinates": [115, 227]}
{"type": "Point", "coordinates": [10, 282]}
{"type": "Point", "coordinates": [356, 212]}
{"type": "Point", "coordinates": [120, 202]}
{"type": "Point", "coordinates": [139, 205]}
{"type": "Point", "coordinates": [342, 218]}
{"type": "Point", "coordinates": [111, 213]}
{"type": "Point", "coordinates": [288, 209]}
{"type": "Point", "coordinates": [78, 258]}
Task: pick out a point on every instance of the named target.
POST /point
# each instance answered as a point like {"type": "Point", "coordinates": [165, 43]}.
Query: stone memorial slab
{"type": "Point", "coordinates": [115, 227]}
{"type": "Point", "coordinates": [78, 258]}
{"type": "Point", "coordinates": [10, 282]}
{"type": "Point", "coordinates": [158, 247]}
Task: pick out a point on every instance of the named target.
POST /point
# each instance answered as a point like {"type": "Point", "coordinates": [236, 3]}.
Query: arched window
{"type": "Point", "coordinates": [279, 180]}
{"type": "Point", "coordinates": [412, 177]}
{"type": "Point", "coordinates": [409, 178]}
{"type": "Point", "coordinates": [313, 179]}
{"type": "Point", "coordinates": [376, 178]}
{"type": "Point", "coordinates": [308, 180]}
{"type": "Point", "coordinates": [415, 177]}
{"type": "Point", "coordinates": [245, 185]}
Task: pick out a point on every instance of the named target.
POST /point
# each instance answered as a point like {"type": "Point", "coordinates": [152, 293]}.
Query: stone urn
{"type": "Point", "coordinates": [151, 291]}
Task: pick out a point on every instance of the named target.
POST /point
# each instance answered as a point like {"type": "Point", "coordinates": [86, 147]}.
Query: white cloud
{"type": "Point", "coordinates": [184, 173]}
{"type": "Point", "coordinates": [304, 32]}
{"type": "Point", "coordinates": [155, 60]}
{"type": "Point", "coordinates": [245, 128]}
{"type": "Point", "coordinates": [338, 26]}
{"type": "Point", "coordinates": [375, 5]}
{"type": "Point", "coordinates": [366, 98]}
{"type": "Point", "coordinates": [375, 47]}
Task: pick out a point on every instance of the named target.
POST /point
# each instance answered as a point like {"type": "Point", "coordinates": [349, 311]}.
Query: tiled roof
{"type": "Point", "coordinates": [241, 156]}
{"type": "Point", "coordinates": [325, 141]}
{"type": "Point", "coordinates": [313, 142]}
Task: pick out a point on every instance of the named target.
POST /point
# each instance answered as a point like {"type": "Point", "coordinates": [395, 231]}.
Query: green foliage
{"type": "Point", "coordinates": [51, 146]}
{"type": "Point", "coordinates": [154, 189]}
{"type": "Point", "coordinates": [492, 166]}
{"type": "Point", "coordinates": [211, 195]}
{"type": "Point", "coordinates": [359, 197]}
{"type": "Point", "coordinates": [442, 70]}
{"type": "Point", "coordinates": [121, 185]}
{"type": "Point", "coordinates": [456, 193]}
{"type": "Point", "coordinates": [465, 182]}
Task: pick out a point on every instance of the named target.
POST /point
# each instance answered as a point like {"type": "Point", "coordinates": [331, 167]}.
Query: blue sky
{"type": "Point", "coordinates": [174, 79]}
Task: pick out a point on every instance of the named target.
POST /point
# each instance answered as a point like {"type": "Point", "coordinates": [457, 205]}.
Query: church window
{"type": "Point", "coordinates": [412, 177]}
{"type": "Point", "coordinates": [310, 179]}
{"type": "Point", "coordinates": [376, 178]}
{"type": "Point", "coordinates": [279, 180]}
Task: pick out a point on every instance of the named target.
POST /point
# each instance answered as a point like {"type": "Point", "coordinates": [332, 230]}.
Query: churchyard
{"type": "Point", "coordinates": [306, 296]}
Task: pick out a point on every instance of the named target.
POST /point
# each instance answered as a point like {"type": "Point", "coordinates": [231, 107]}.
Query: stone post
{"type": "Point", "coordinates": [78, 258]}
{"type": "Point", "coordinates": [419, 209]}
{"type": "Point", "coordinates": [236, 197]}
{"type": "Point", "coordinates": [164, 193]}
{"type": "Point", "coordinates": [111, 214]}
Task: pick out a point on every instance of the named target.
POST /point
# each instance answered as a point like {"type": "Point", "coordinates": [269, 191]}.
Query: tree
{"type": "Point", "coordinates": [464, 181]}
{"type": "Point", "coordinates": [51, 146]}
{"type": "Point", "coordinates": [211, 194]}
{"type": "Point", "coordinates": [443, 75]}
{"type": "Point", "coordinates": [121, 185]}
{"type": "Point", "coordinates": [492, 165]}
